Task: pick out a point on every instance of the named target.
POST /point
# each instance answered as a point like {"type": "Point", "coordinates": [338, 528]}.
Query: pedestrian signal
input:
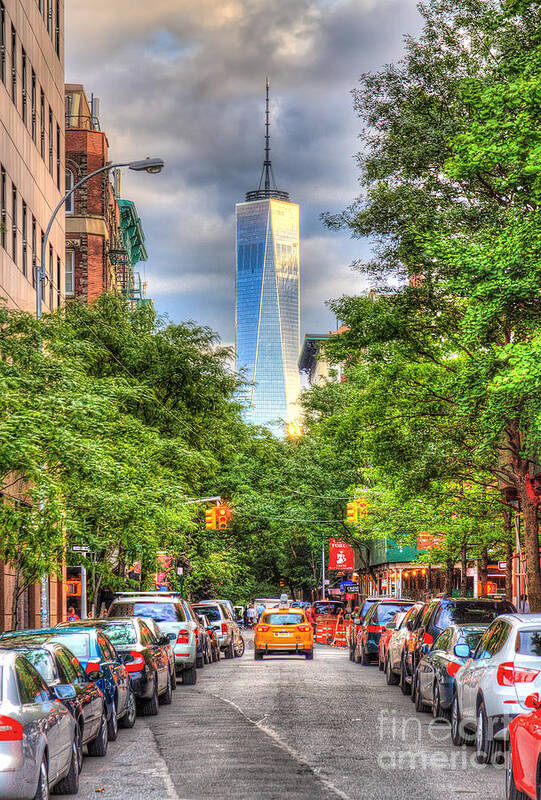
{"type": "Point", "coordinates": [210, 519]}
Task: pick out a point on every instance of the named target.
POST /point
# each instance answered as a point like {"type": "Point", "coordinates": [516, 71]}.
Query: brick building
{"type": "Point", "coordinates": [31, 185]}
{"type": "Point", "coordinates": [104, 237]}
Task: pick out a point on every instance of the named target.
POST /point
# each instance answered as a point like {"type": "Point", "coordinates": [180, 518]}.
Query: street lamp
{"type": "Point", "coordinates": [150, 165]}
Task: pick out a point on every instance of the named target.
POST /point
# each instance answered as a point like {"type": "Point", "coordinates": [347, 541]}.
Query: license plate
{"type": "Point", "coordinates": [279, 635]}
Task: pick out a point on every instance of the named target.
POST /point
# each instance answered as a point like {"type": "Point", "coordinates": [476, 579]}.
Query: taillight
{"type": "Point", "coordinates": [374, 628]}
{"type": "Point", "coordinates": [138, 662]}
{"type": "Point", "coordinates": [427, 639]}
{"type": "Point", "coordinates": [262, 628]}
{"type": "Point", "coordinates": [508, 674]}
{"type": "Point", "coordinates": [452, 668]}
{"type": "Point", "coordinates": [304, 628]}
{"type": "Point", "coordinates": [224, 628]}
{"type": "Point", "coordinates": [11, 730]}
{"type": "Point", "coordinates": [183, 636]}
{"type": "Point", "coordinates": [92, 666]}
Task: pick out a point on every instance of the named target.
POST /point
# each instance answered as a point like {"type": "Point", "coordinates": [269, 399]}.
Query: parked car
{"type": "Point", "coordinates": [58, 666]}
{"type": "Point", "coordinates": [222, 621]}
{"type": "Point", "coordinates": [215, 641]}
{"type": "Point", "coordinates": [174, 618]}
{"type": "Point", "coordinates": [208, 654]}
{"type": "Point", "coordinates": [357, 620]}
{"type": "Point", "coordinates": [38, 747]}
{"type": "Point", "coordinates": [441, 612]}
{"type": "Point", "coordinates": [523, 754]}
{"type": "Point", "coordinates": [167, 643]}
{"type": "Point", "coordinates": [435, 676]}
{"type": "Point", "coordinates": [389, 628]}
{"type": "Point", "coordinates": [398, 644]}
{"type": "Point", "coordinates": [492, 686]}
{"type": "Point", "coordinates": [369, 633]}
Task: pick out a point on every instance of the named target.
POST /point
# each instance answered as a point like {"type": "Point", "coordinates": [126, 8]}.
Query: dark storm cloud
{"type": "Point", "coordinates": [184, 79]}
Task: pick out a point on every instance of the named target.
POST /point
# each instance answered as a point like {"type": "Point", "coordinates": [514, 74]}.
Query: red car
{"type": "Point", "coordinates": [524, 753]}
{"type": "Point", "coordinates": [388, 631]}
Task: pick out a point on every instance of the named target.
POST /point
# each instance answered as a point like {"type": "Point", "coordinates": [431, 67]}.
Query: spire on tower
{"type": "Point", "coordinates": [267, 184]}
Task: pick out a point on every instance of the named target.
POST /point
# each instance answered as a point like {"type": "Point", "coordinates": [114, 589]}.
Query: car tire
{"type": "Point", "coordinates": [390, 677]}
{"type": "Point", "coordinates": [511, 791]}
{"type": "Point", "coordinates": [218, 654]}
{"type": "Point", "coordinates": [228, 652]}
{"type": "Point", "coordinates": [484, 745]}
{"type": "Point", "coordinates": [356, 654]}
{"type": "Point", "coordinates": [167, 697]}
{"type": "Point", "coordinates": [381, 664]}
{"type": "Point", "coordinates": [438, 712]}
{"type": "Point", "coordinates": [214, 656]}
{"type": "Point", "coordinates": [112, 724]}
{"type": "Point", "coordinates": [98, 746]}
{"type": "Point", "coordinates": [420, 704]}
{"type": "Point", "coordinates": [309, 655]}
{"type": "Point", "coordinates": [239, 651]}
{"type": "Point", "coordinates": [173, 679]}
{"type": "Point", "coordinates": [151, 707]}
{"type": "Point", "coordinates": [130, 715]}
{"type": "Point", "coordinates": [458, 736]}
{"type": "Point", "coordinates": [405, 687]}
{"type": "Point", "coordinates": [70, 784]}
{"type": "Point", "coordinates": [189, 676]}
{"type": "Point", "coordinates": [199, 662]}
{"type": "Point", "coordinates": [258, 655]}
{"type": "Point", "coordinates": [365, 659]}
{"type": "Point", "coordinates": [42, 792]}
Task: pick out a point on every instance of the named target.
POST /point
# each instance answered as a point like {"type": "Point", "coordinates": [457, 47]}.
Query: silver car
{"type": "Point", "coordinates": [220, 618]}
{"type": "Point", "coordinates": [491, 687]}
{"type": "Point", "coordinates": [37, 733]}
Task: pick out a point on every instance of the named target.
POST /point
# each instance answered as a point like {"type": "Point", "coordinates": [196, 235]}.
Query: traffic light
{"type": "Point", "coordinates": [351, 512]}
{"type": "Point", "coordinates": [223, 515]}
{"type": "Point", "coordinates": [210, 519]}
{"type": "Point", "coordinates": [362, 509]}
{"type": "Point", "coordinates": [356, 511]}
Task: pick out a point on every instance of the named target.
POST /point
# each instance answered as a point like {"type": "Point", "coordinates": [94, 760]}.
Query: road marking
{"type": "Point", "coordinates": [163, 771]}
{"type": "Point", "coordinates": [296, 756]}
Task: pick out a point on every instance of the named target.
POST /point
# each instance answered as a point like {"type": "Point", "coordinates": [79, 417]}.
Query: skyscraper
{"type": "Point", "coordinates": [267, 300]}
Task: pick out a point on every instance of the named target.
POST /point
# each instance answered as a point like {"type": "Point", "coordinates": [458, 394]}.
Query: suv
{"type": "Point", "coordinates": [441, 612]}
{"type": "Point", "coordinates": [371, 628]}
{"type": "Point", "coordinates": [222, 621]}
{"type": "Point", "coordinates": [172, 618]}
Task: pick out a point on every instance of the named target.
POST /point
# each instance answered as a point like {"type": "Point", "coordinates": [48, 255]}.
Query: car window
{"type": "Point", "coordinates": [465, 613]}
{"type": "Point", "coordinates": [471, 638]}
{"type": "Point", "coordinates": [423, 622]}
{"type": "Point", "coordinates": [369, 614]}
{"type": "Point", "coordinates": [283, 619]}
{"type": "Point", "coordinates": [43, 662]}
{"type": "Point", "coordinates": [326, 607]}
{"type": "Point", "coordinates": [122, 633]}
{"type": "Point", "coordinates": [444, 640]}
{"type": "Point", "coordinates": [160, 612]}
{"type": "Point", "coordinates": [77, 643]}
{"type": "Point", "coordinates": [528, 643]}
{"type": "Point", "coordinates": [493, 640]}
{"type": "Point", "coordinates": [32, 688]}
{"type": "Point", "coordinates": [211, 612]}
{"type": "Point", "coordinates": [147, 637]}
{"type": "Point", "coordinates": [68, 673]}
{"type": "Point", "coordinates": [108, 653]}
{"type": "Point", "coordinates": [384, 612]}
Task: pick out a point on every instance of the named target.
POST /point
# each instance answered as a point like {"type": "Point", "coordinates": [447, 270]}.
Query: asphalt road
{"type": "Point", "coordinates": [286, 729]}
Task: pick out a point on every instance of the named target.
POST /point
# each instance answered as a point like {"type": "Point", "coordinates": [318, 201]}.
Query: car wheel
{"type": "Point", "coordinates": [484, 745]}
{"type": "Point", "coordinates": [167, 697]}
{"type": "Point", "coordinates": [239, 650]}
{"type": "Point", "coordinates": [151, 707]}
{"type": "Point", "coordinates": [390, 677]}
{"type": "Point", "coordinates": [405, 687]}
{"type": "Point", "coordinates": [214, 656]}
{"type": "Point", "coordinates": [173, 679]}
{"type": "Point", "coordinates": [189, 676]}
{"type": "Point", "coordinates": [511, 791]}
{"type": "Point", "coordinates": [365, 659]}
{"type": "Point", "coordinates": [437, 711]}
{"type": "Point", "coordinates": [70, 784]}
{"type": "Point", "coordinates": [42, 792]}
{"type": "Point", "coordinates": [228, 652]}
{"type": "Point", "coordinates": [112, 724]}
{"type": "Point", "coordinates": [356, 654]}
{"type": "Point", "coordinates": [459, 735]}
{"type": "Point", "coordinates": [381, 665]}
{"type": "Point", "coordinates": [218, 653]}
{"type": "Point", "coordinates": [420, 705]}
{"type": "Point", "coordinates": [80, 745]}
{"type": "Point", "coordinates": [199, 662]}
{"type": "Point", "coordinates": [258, 656]}
{"type": "Point", "coordinates": [98, 746]}
{"type": "Point", "coordinates": [128, 720]}
{"type": "Point", "coordinates": [309, 655]}
{"type": "Point", "coordinates": [351, 651]}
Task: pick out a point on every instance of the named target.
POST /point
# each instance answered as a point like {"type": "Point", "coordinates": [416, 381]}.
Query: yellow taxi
{"type": "Point", "coordinates": [283, 630]}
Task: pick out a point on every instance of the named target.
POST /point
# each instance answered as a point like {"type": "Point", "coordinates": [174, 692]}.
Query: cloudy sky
{"type": "Point", "coordinates": [184, 80]}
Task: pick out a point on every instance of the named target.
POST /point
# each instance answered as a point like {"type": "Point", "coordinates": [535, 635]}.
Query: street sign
{"type": "Point", "coordinates": [80, 548]}
{"type": "Point", "coordinates": [502, 565]}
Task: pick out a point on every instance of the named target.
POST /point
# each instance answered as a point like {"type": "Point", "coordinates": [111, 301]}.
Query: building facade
{"type": "Point", "coordinates": [268, 302]}
{"type": "Point", "coordinates": [31, 185]}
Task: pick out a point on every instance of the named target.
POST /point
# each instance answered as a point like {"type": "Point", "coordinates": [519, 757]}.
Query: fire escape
{"type": "Point", "coordinates": [125, 280]}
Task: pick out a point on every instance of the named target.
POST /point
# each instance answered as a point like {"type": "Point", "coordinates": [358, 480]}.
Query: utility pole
{"type": "Point", "coordinates": [323, 572]}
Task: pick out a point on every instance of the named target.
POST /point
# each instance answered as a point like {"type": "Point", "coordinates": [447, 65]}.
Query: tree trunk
{"type": "Point", "coordinates": [449, 576]}
{"type": "Point", "coordinates": [531, 546]}
{"type": "Point", "coordinates": [508, 526]}
{"type": "Point", "coordinates": [482, 572]}
{"type": "Point", "coordinates": [464, 573]}
{"type": "Point", "coordinates": [15, 602]}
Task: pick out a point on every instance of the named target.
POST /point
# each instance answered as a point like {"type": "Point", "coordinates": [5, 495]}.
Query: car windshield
{"type": "Point", "coordinates": [121, 634]}
{"type": "Point", "coordinates": [528, 643]}
{"type": "Point", "coordinates": [328, 608]}
{"type": "Point", "coordinates": [160, 612]}
{"type": "Point", "coordinates": [282, 619]}
{"type": "Point", "coordinates": [471, 612]}
{"type": "Point", "coordinates": [211, 612]}
{"type": "Point", "coordinates": [42, 660]}
{"type": "Point", "coordinates": [386, 611]}
{"type": "Point", "coordinates": [78, 643]}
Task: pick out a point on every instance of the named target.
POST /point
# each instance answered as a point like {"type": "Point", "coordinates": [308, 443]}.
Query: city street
{"type": "Point", "coordinates": [288, 728]}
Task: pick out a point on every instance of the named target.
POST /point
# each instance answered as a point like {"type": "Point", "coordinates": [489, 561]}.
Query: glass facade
{"type": "Point", "coordinates": [267, 310]}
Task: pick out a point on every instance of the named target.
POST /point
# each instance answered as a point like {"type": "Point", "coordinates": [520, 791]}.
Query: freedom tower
{"type": "Point", "coordinates": [267, 300]}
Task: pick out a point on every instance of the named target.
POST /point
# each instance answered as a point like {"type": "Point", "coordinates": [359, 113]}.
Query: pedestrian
{"type": "Point", "coordinates": [524, 605]}
{"type": "Point", "coordinates": [250, 613]}
{"type": "Point", "coordinates": [260, 610]}
{"type": "Point", "coordinates": [245, 616]}
{"type": "Point", "coordinates": [72, 615]}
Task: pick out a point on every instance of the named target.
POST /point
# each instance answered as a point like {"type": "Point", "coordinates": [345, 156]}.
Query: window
{"type": "Point", "coordinates": [43, 661]}
{"type": "Point", "coordinates": [58, 155]}
{"type": "Point", "coordinates": [384, 612]}
{"type": "Point", "coordinates": [106, 648]}
{"type": "Point", "coordinates": [50, 17]}
{"type": "Point", "coordinates": [57, 29]}
{"type": "Point", "coordinates": [14, 201]}
{"type": "Point", "coordinates": [70, 182]}
{"type": "Point", "coordinates": [528, 643]}
{"type": "Point", "coordinates": [51, 140]}
{"type": "Point", "coordinates": [69, 282]}
{"type": "Point", "coordinates": [212, 613]}
{"type": "Point", "coordinates": [13, 65]}
{"type": "Point", "coordinates": [42, 122]}
{"type": "Point", "coordinates": [58, 282]}
{"type": "Point", "coordinates": [51, 277]}
{"type": "Point", "coordinates": [40, 6]}
{"type": "Point", "coordinates": [2, 42]}
{"type": "Point", "coordinates": [3, 182]}
{"type": "Point", "coordinates": [147, 637]}
{"type": "Point", "coordinates": [33, 101]}
{"type": "Point", "coordinates": [283, 619]}
{"type": "Point", "coordinates": [32, 689]}
{"type": "Point", "coordinates": [24, 83]}
{"type": "Point", "coordinates": [493, 640]}
{"type": "Point", "coordinates": [34, 254]}
{"type": "Point", "coordinates": [444, 640]}
{"type": "Point", "coordinates": [25, 242]}
{"type": "Point", "coordinates": [122, 634]}
{"type": "Point", "coordinates": [77, 643]}
{"type": "Point", "coordinates": [68, 673]}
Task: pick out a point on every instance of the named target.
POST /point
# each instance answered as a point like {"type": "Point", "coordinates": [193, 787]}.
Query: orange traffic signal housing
{"type": "Point", "coordinates": [223, 515]}
{"type": "Point", "coordinates": [210, 519]}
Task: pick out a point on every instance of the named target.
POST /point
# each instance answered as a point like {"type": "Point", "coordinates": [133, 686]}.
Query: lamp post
{"type": "Point", "coordinates": [150, 165]}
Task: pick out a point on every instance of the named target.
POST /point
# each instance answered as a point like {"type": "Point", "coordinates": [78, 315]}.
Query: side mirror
{"type": "Point", "coordinates": [462, 651]}
{"type": "Point", "coordinates": [94, 675]}
{"type": "Point", "coordinates": [533, 701]}
{"type": "Point", "coordinates": [127, 658]}
{"type": "Point", "coordinates": [171, 637]}
{"type": "Point", "coordinates": [64, 691]}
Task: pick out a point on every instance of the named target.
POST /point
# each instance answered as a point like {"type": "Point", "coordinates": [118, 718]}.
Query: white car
{"type": "Point", "coordinates": [492, 686]}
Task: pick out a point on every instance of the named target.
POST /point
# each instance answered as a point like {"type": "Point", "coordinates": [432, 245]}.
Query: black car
{"type": "Point", "coordinates": [145, 657]}
{"type": "Point", "coordinates": [58, 666]}
{"type": "Point", "coordinates": [436, 672]}
{"type": "Point", "coordinates": [369, 632]}
{"type": "Point", "coordinates": [441, 612]}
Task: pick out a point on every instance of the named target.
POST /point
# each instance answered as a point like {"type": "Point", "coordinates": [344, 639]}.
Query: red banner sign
{"type": "Point", "coordinates": [427, 541]}
{"type": "Point", "coordinates": [341, 556]}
